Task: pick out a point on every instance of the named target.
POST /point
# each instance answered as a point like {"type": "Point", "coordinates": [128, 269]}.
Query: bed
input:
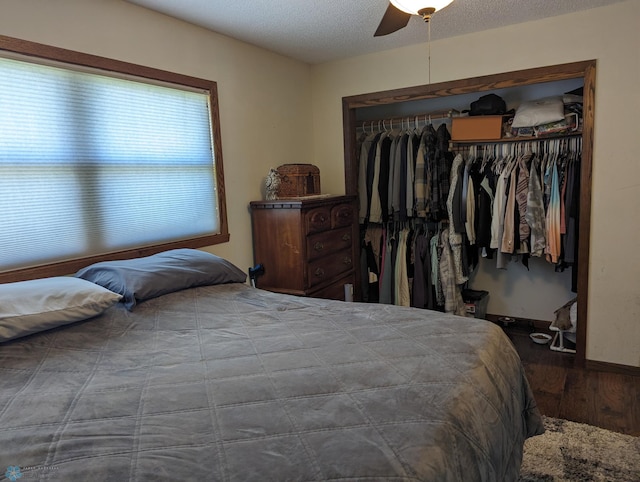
{"type": "Point", "coordinates": [218, 380]}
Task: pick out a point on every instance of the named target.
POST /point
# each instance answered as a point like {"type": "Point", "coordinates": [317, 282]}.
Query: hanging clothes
{"type": "Point", "coordinates": [522, 191]}
{"type": "Point", "coordinates": [381, 155]}
{"type": "Point", "coordinates": [386, 177]}
{"type": "Point", "coordinates": [383, 178]}
{"type": "Point", "coordinates": [450, 288]}
{"type": "Point", "coordinates": [456, 223]}
{"type": "Point", "coordinates": [503, 201]}
{"type": "Point", "coordinates": [422, 181]}
{"type": "Point", "coordinates": [365, 171]}
{"type": "Point", "coordinates": [535, 215]}
{"type": "Point", "coordinates": [386, 281]}
{"type": "Point", "coordinates": [423, 292]}
{"type": "Point", "coordinates": [443, 160]}
{"type": "Point", "coordinates": [484, 184]}
{"type": "Point", "coordinates": [400, 179]}
{"type": "Point", "coordinates": [470, 218]}
{"type": "Point", "coordinates": [507, 243]}
{"type": "Point", "coordinates": [436, 256]}
{"type": "Point", "coordinates": [401, 293]}
{"type": "Point", "coordinates": [552, 249]}
{"type": "Point", "coordinates": [498, 218]}
{"type": "Point", "coordinates": [572, 202]}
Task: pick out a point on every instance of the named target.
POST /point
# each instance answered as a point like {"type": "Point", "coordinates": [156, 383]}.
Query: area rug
{"type": "Point", "coordinates": [570, 451]}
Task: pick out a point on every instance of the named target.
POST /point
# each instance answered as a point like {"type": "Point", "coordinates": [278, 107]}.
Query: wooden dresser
{"type": "Point", "coordinates": [307, 245]}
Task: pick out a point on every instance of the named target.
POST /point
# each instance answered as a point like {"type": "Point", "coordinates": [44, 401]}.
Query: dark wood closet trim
{"type": "Point", "coordinates": [584, 69]}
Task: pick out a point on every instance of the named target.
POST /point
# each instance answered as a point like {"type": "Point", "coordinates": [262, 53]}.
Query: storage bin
{"type": "Point", "coordinates": [298, 180]}
{"type": "Point", "coordinates": [477, 128]}
{"type": "Point", "coordinates": [475, 303]}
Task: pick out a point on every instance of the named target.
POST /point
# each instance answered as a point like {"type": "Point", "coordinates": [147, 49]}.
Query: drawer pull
{"type": "Point", "coordinates": [319, 272]}
{"type": "Point", "coordinates": [346, 237]}
{"type": "Point", "coordinates": [346, 260]}
{"type": "Point", "coordinates": [318, 246]}
{"type": "Point", "coordinates": [318, 220]}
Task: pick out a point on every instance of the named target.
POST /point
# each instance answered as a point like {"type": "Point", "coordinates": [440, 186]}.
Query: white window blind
{"type": "Point", "coordinates": [93, 164]}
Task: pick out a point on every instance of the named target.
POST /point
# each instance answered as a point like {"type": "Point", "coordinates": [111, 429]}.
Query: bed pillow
{"type": "Point", "coordinates": [27, 307]}
{"type": "Point", "coordinates": [537, 112]}
{"type": "Point", "coordinates": [139, 279]}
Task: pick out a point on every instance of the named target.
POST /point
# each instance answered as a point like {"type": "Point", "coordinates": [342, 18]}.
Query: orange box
{"type": "Point", "coordinates": [477, 128]}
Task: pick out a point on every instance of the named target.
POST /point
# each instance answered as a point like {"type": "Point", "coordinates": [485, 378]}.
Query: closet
{"type": "Point", "coordinates": [415, 104]}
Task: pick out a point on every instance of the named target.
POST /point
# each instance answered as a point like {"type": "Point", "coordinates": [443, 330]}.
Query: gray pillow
{"type": "Point", "coordinates": [139, 279]}
{"type": "Point", "coordinates": [27, 307]}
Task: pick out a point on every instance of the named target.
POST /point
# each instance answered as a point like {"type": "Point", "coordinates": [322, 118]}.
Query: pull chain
{"type": "Point", "coordinates": [429, 49]}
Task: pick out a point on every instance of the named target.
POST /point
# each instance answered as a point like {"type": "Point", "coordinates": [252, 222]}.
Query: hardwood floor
{"type": "Point", "coordinates": [601, 398]}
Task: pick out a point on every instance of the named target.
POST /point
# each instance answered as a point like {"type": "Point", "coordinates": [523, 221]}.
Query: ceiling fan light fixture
{"type": "Point", "coordinates": [424, 8]}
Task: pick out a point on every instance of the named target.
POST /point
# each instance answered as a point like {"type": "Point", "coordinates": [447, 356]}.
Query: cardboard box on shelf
{"type": "Point", "coordinates": [477, 128]}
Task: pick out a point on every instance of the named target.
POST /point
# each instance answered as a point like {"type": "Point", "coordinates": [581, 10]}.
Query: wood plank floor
{"type": "Point", "coordinates": [604, 399]}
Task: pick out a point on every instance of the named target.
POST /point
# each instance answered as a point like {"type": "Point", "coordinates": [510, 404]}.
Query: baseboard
{"type": "Point", "coordinates": [612, 368]}
{"type": "Point", "coordinates": [522, 323]}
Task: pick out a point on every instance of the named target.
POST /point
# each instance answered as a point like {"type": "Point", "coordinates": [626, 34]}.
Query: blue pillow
{"type": "Point", "coordinates": [139, 279]}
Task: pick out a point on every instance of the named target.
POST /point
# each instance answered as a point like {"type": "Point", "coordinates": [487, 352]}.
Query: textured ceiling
{"type": "Point", "coordinates": [324, 30]}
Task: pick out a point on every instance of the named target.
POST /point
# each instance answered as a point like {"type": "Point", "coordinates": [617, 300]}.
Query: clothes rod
{"type": "Point", "coordinates": [572, 142]}
{"type": "Point", "coordinates": [516, 139]}
{"type": "Point", "coordinates": [410, 120]}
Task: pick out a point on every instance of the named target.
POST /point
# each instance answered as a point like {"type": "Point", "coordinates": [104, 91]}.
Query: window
{"type": "Point", "coordinates": [103, 163]}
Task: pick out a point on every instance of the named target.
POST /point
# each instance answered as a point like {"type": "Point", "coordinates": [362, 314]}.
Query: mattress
{"type": "Point", "coordinates": [230, 382]}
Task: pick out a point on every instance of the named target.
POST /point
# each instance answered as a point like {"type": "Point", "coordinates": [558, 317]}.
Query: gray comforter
{"type": "Point", "coordinates": [233, 383]}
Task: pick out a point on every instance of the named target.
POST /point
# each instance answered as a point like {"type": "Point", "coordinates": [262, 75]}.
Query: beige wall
{"type": "Point", "coordinates": [609, 35]}
{"type": "Point", "coordinates": [264, 98]}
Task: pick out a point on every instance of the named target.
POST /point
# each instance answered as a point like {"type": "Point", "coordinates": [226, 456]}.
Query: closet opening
{"type": "Point", "coordinates": [437, 104]}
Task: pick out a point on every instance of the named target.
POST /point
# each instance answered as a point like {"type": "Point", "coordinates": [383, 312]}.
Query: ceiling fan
{"type": "Point", "coordinates": [399, 12]}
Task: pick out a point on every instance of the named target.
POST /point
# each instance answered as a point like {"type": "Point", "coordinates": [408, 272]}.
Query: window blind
{"type": "Point", "coordinates": [94, 164]}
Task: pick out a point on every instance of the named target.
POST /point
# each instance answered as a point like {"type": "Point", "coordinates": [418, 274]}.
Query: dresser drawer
{"type": "Point", "coordinates": [324, 269]}
{"type": "Point", "coordinates": [342, 215]}
{"type": "Point", "coordinates": [318, 219]}
{"type": "Point", "coordinates": [329, 242]}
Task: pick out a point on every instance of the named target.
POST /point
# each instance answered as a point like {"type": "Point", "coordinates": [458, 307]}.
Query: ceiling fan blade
{"type": "Point", "coordinates": [392, 21]}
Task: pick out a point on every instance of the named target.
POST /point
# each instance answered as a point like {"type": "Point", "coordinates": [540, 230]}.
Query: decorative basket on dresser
{"type": "Point", "coordinates": [307, 245]}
